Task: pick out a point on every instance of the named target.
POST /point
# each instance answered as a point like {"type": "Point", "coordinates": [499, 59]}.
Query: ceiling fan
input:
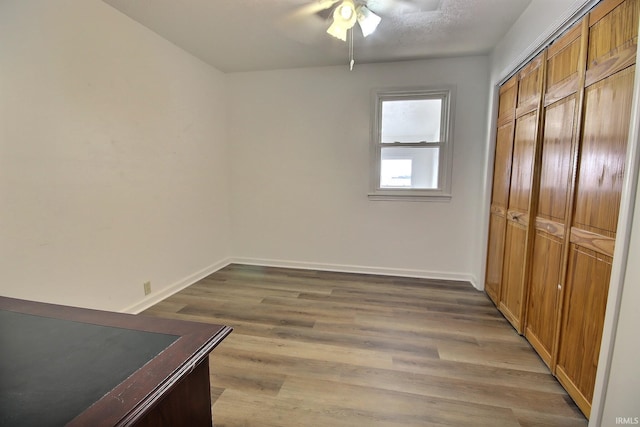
{"type": "Point", "coordinates": [344, 14]}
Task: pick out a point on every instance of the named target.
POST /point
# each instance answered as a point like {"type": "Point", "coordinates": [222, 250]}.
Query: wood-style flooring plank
{"type": "Point", "coordinates": [316, 348]}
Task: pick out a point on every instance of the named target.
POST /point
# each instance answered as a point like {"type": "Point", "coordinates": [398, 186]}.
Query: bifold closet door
{"type": "Point", "coordinates": [607, 108]}
{"type": "Point", "coordinates": [565, 77]}
{"type": "Point", "coordinates": [557, 186]}
{"type": "Point", "coordinates": [512, 290]}
{"type": "Point", "coordinates": [501, 184]}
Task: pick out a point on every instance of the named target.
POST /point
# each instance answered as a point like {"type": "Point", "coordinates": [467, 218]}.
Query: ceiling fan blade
{"type": "Point", "coordinates": [306, 24]}
{"type": "Point", "coordinates": [311, 9]}
{"type": "Point", "coordinates": [368, 20]}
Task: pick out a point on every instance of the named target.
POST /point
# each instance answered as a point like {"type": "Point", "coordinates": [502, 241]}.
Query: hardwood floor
{"type": "Point", "coordinates": [314, 348]}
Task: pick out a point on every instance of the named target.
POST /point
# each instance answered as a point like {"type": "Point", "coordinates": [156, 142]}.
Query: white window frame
{"type": "Point", "coordinates": [445, 161]}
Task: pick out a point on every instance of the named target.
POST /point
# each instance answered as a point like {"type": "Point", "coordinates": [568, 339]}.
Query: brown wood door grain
{"type": "Point", "coordinates": [565, 70]}
{"type": "Point", "coordinates": [583, 319]}
{"type": "Point", "coordinates": [512, 293]}
{"type": "Point", "coordinates": [500, 190]}
{"type": "Point", "coordinates": [545, 281]}
{"type": "Point", "coordinates": [555, 174]}
{"type": "Point", "coordinates": [597, 201]}
{"type": "Point", "coordinates": [502, 166]}
{"type": "Point", "coordinates": [566, 59]}
{"type": "Point", "coordinates": [495, 252]}
{"type": "Point", "coordinates": [544, 294]}
{"type": "Point", "coordinates": [565, 64]}
{"type": "Point", "coordinates": [555, 222]}
{"type": "Point", "coordinates": [599, 174]}
{"type": "Point", "coordinates": [513, 273]}
{"type": "Point", "coordinates": [522, 170]}
{"type": "Point", "coordinates": [613, 32]}
{"type": "Point", "coordinates": [602, 157]}
{"type": "Point", "coordinates": [508, 100]}
{"type": "Point", "coordinates": [530, 80]}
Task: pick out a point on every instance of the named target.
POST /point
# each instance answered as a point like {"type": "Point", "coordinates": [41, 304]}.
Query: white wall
{"type": "Point", "coordinates": [113, 161]}
{"type": "Point", "coordinates": [300, 168]}
{"type": "Point", "coordinates": [618, 378]}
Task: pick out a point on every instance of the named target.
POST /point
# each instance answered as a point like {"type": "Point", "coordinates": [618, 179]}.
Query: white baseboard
{"type": "Point", "coordinates": [156, 297]}
{"type": "Point", "coordinates": [476, 283]}
{"type": "Point", "coordinates": [176, 287]}
{"type": "Point", "coordinates": [342, 268]}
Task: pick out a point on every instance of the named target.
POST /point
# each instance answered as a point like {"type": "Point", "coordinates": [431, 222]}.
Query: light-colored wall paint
{"type": "Point", "coordinates": [300, 171]}
{"type": "Point", "coordinates": [113, 157]}
{"type": "Point", "coordinates": [618, 378]}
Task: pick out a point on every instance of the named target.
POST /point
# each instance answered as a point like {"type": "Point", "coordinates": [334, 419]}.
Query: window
{"type": "Point", "coordinates": [411, 145]}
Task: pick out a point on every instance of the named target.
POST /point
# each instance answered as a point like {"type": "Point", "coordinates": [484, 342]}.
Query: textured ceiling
{"type": "Point", "coordinates": [249, 35]}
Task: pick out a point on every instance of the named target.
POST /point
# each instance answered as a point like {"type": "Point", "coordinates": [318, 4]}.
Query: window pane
{"type": "Point", "coordinates": [408, 167]}
{"type": "Point", "coordinates": [411, 120]}
{"type": "Point", "coordinates": [395, 173]}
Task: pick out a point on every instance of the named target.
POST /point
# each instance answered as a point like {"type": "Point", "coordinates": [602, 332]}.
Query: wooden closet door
{"type": "Point", "coordinates": [565, 75]}
{"type": "Point", "coordinates": [607, 108]}
{"type": "Point", "coordinates": [512, 291]}
{"type": "Point", "coordinates": [501, 183]}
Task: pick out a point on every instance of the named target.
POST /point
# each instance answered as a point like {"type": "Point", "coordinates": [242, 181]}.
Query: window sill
{"type": "Point", "coordinates": [410, 197]}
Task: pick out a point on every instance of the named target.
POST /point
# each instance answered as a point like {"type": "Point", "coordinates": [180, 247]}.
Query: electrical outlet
{"type": "Point", "coordinates": [147, 288]}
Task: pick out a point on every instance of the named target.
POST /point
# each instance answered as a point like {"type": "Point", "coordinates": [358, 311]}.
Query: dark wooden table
{"type": "Point", "coordinates": [71, 366]}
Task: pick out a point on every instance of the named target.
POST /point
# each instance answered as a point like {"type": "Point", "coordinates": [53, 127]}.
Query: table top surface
{"type": "Point", "coordinates": [65, 365]}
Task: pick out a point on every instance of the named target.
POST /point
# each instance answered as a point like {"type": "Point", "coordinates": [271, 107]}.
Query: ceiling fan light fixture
{"type": "Point", "coordinates": [338, 31]}
{"type": "Point", "coordinates": [346, 10]}
{"type": "Point", "coordinates": [344, 18]}
{"type": "Point", "coordinates": [368, 20]}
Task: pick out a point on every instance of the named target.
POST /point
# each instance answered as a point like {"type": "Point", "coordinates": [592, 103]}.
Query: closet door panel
{"type": "Point", "coordinates": [500, 190]}
{"type": "Point", "coordinates": [564, 63]}
{"type": "Point", "coordinates": [604, 145]}
{"type": "Point", "coordinates": [512, 294]}
{"type": "Point", "coordinates": [612, 29]}
{"type": "Point", "coordinates": [529, 86]}
{"type": "Point", "coordinates": [599, 177]}
{"type": "Point", "coordinates": [583, 319]}
{"type": "Point", "coordinates": [546, 264]}
{"type": "Point", "coordinates": [497, 221]}
{"type": "Point", "coordinates": [497, 224]}
{"type": "Point", "coordinates": [558, 222]}
{"type": "Point", "coordinates": [597, 201]}
{"type": "Point", "coordinates": [502, 166]}
{"type": "Point", "coordinates": [517, 248]}
{"type": "Point", "coordinates": [543, 294]}
{"type": "Point", "coordinates": [523, 153]}
{"type": "Point", "coordinates": [508, 100]}
{"type": "Point", "coordinates": [513, 274]}
{"type": "Point", "coordinates": [555, 172]}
